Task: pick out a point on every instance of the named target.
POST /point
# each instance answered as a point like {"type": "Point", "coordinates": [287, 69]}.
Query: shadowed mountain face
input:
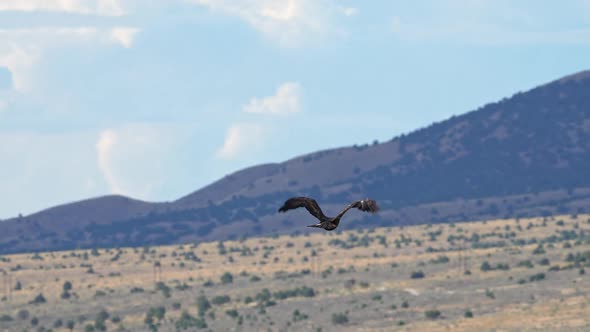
{"type": "Point", "coordinates": [525, 155]}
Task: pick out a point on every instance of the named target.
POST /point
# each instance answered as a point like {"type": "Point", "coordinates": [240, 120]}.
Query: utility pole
{"type": "Point", "coordinates": [461, 256]}
{"type": "Point", "coordinates": [9, 286]}
{"type": "Point", "coordinates": [157, 271]}
{"type": "Point", "coordinates": [6, 285]}
{"type": "Point", "coordinates": [315, 263]}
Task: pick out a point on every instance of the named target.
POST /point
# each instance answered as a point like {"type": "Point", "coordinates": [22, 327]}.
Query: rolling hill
{"type": "Point", "coordinates": [526, 155]}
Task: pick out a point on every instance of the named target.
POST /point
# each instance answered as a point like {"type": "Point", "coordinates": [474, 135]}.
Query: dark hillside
{"type": "Point", "coordinates": [522, 156]}
{"type": "Point", "coordinates": [532, 142]}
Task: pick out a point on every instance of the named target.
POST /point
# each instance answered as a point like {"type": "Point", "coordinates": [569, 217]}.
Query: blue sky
{"type": "Point", "coordinates": [154, 99]}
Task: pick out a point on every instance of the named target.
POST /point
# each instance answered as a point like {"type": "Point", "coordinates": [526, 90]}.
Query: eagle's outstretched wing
{"type": "Point", "coordinates": [309, 203]}
{"type": "Point", "coordinates": [366, 205]}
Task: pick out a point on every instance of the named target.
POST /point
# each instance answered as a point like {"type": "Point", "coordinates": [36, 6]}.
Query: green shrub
{"type": "Point", "coordinates": [298, 316]}
{"type": "Point", "coordinates": [339, 318]}
{"type": "Point", "coordinates": [537, 277]}
{"type": "Point", "coordinates": [526, 263]}
{"type": "Point", "coordinates": [38, 299]}
{"type": "Point", "coordinates": [233, 313]}
{"type": "Point", "coordinates": [440, 260]}
{"type": "Point", "coordinates": [187, 321]}
{"type": "Point", "coordinates": [263, 296]}
{"type": "Point", "coordinates": [227, 278]}
{"type": "Point", "coordinates": [539, 250]}
{"type": "Point", "coordinates": [301, 291]}
{"type": "Point", "coordinates": [203, 304]}
{"type": "Point", "coordinates": [432, 314]}
{"type": "Point", "coordinates": [502, 266]}
{"type": "Point", "coordinates": [220, 299]}
{"type": "Point", "coordinates": [100, 325]}
{"type": "Point", "coordinates": [6, 318]}
{"type": "Point", "coordinates": [162, 287]}
{"type": "Point", "coordinates": [103, 315]}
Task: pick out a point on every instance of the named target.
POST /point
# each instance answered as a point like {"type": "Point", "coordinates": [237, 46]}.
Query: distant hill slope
{"type": "Point", "coordinates": [524, 155]}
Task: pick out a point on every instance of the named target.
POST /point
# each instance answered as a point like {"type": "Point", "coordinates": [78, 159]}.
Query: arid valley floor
{"type": "Point", "coordinates": [500, 275]}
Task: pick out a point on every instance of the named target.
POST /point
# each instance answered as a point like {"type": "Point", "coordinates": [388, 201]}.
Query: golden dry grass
{"type": "Point", "coordinates": [452, 291]}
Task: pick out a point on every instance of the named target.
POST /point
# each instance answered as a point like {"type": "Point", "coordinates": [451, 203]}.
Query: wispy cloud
{"type": "Point", "coordinates": [349, 11]}
{"type": "Point", "coordinates": [287, 99]}
{"type": "Point", "coordinates": [18, 60]}
{"type": "Point", "coordinates": [289, 22]}
{"type": "Point", "coordinates": [241, 138]}
{"type": "Point", "coordinates": [68, 160]}
{"type": "Point", "coordinates": [104, 147]}
{"type": "Point", "coordinates": [491, 23]}
{"type": "Point", "coordinates": [94, 7]}
{"type": "Point", "coordinates": [21, 49]}
{"type": "Point", "coordinates": [124, 35]}
{"type": "Point", "coordinates": [137, 159]}
{"type": "Point", "coordinates": [479, 33]}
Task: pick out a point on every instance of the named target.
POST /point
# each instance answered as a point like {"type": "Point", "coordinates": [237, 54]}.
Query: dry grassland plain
{"type": "Point", "coordinates": [497, 275]}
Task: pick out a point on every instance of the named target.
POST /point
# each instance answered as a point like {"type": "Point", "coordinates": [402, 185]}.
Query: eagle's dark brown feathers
{"type": "Point", "coordinates": [327, 223]}
{"type": "Point", "coordinates": [309, 203]}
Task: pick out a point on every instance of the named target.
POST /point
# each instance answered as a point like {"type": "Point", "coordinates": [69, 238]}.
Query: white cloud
{"type": "Point", "coordinates": [289, 22]}
{"type": "Point", "coordinates": [29, 185]}
{"type": "Point", "coordinates": [19, 61]}
{"type": "Point", "coordinates": [21, 49]}
{"type": "Point", "coordinates": [241, 138]}
{"type": "Point", "coordinates": [349, 11]}
{"type": "Point", "coordinates": [104, 148]}
{"type": "Point", "coordinates": [42, 37]}
{"type": "Point", "coordinates": [479, 33]}
{"type": "Point", "coordinates": [135, 159]}
{"type": "Point", "coordinates": [124, 35]}
{"type": "Point", "coordinates": [491, 23]}
{"type": "Point", "coordinates": [286, 100]}
{"type": "Point", "coordinates": [94, 7]}
{"type": "Point", "coordinates": [140, 160]}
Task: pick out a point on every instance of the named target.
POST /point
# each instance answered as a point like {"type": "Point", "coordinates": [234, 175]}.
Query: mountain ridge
{"type": "Point", "coordinates": [532, 143]}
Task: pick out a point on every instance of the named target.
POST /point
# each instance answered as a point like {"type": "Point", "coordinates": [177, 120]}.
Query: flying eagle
{"type": "Point", "coordinates": [327, 223]}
